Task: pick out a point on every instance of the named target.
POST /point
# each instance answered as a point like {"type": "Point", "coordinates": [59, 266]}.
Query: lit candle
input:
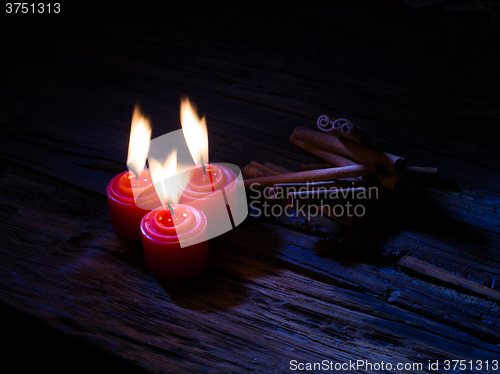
{"type": "Point", "coordinates": [175, 248]}
{"type": "Point", "coordinates": [131, 194]}
{"type": "Point", "coordinates": [126, 214]}
{"type": "Point", "coordinates": [210, 190]}
{"type": "Point", "coordinates": [175, 237]}
{"type": "Point", "coordinates": [205, 186]}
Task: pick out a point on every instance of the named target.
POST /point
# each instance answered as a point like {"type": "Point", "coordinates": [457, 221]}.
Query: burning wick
{"type": "Point", "coordinates": [130, 168]}
{"type": "Point", "coordinates": [202, 160]}
{"type": "Point", "coordinates": [170, 209]}
{"type": "Point", "coordinates": [138, 148]}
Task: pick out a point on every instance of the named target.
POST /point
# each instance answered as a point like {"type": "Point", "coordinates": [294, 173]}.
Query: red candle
{"type": "Point", "coordinates": [210, 191]}
{"type": "Point", "coordinates": [200, 185]}
{"type": "Point", "coordinates": [131, 194]}
{"type": "Point", "coordinates": [125, 214]}
{"type": "Point", "coordinates": [175, 248]}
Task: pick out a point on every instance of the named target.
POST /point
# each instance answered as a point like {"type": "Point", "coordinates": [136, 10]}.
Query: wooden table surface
{"type": "Point", "coordinates": [75, 295]}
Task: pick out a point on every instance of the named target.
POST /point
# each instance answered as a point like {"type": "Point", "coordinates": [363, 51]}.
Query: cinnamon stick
{"type": "Point", "coordinates": [329, 126]}
{"type": "Point", "coordinates": [252, 172]}
{"type": "Point", "coordinates": [330, 157]}
{"type": "Point", "coordinates": [352, 150]}
{"type": "Point", "coordinates": [356, 133]}
{"type": "Point", "coordinates": [264, 168]}
{"type": "Point", "coordinates": [322, 196]}
{"type": "Point", "coordinates": [348, 193]}
{"type": "Point", "coordinates": [345, 134]}
{"type": "Point", "coordinates": [334, 159]}
{"type": "Point", "coordinates": [423, 269]}
{"type": "Point", "coordinates": [394, 182]}
{"type": "Point", "coordinates": [311, 176]}
{"type": "Point", "coordinates": [283, 189]}
{"type": "Point", "coordinates": [315, 167]}
{"type": "Point", "coordinates": [307, 186]}
{"type": "Point", "coordinates": [341, 161]}
{"type": "Point", "coordinates": [278, 168]}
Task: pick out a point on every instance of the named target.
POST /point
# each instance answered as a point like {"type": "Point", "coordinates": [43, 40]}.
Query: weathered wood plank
{"type": "Point", "coordinates": [246, 313]}
{"type": "Point", "coordinates": [13, 147]}
{"type": "Point", "coordinates": [423, 269]}
{"type": "Point", "coordinates": [277, 288]}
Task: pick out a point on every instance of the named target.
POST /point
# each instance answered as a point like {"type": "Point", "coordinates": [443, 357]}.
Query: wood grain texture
{"type": "Point", "coordinates": [426, 270]}
{"type": "Point", "coordinates": [261, 304]}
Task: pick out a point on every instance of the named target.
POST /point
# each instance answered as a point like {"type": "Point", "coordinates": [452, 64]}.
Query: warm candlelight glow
{"type": "Point", "coordinates": [164, 177]}
{"type": "Point", "coordinates": [215, 190]}
{"type": "Point", "coordinates": [195, 132]}
{"type": "Point", "coordinates": [138, 148]}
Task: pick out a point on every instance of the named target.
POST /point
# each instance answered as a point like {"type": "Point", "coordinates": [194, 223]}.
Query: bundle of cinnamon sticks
{"type": "Point", "coordinates": [348, 152]}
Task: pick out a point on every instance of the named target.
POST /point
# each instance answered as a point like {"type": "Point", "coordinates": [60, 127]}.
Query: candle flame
{"type": "Point", "coordinates": [195, 132]}
{"type": "Point", "coordinates": [140, 137]}
{"type": "Point", "coordinates": [165, 181]}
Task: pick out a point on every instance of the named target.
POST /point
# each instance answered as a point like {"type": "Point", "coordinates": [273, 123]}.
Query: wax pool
{"type": "Point", "coordinates": [175, 248]}
{"type": "Point", "coordinates": [125, 215]}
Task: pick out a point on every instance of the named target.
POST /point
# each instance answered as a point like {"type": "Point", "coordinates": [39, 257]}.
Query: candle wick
{"type": "Point", "coordinates": [133, 171]}
{"type": "Point", "coordinates": [170, 209]}
{"type": "Point", "coordinates": [203, 166]}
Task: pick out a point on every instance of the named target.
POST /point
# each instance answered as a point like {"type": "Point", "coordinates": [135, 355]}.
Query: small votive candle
{"type": "Point", "coordinates": [126, 214]}
{"type": "Point", "coordinates": [175, 248]}
{"type": "Point", "coordinates": [210, 191]}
